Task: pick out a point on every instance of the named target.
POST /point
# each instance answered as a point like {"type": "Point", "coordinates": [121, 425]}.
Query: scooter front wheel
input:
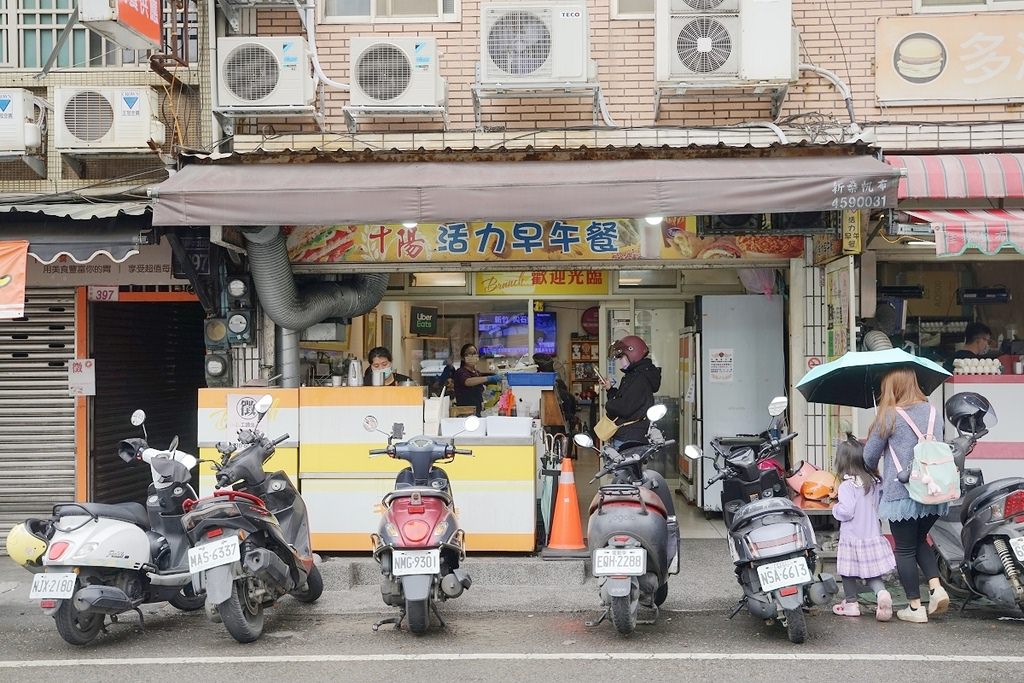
{"type": "Point", "coordinates": [624, 614]}
{"type": "Point", "coordinates": [242, 614]}
{"type": "Point", "coordinates": [796, 625]}
{"type": "Point", "coordinates": [75, 627]}
{"type": "Point", "coordinates": [417, 612]}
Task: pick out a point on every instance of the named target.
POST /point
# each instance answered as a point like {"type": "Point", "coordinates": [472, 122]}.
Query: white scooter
{"type": "Point", "coordinates": [107, 559]}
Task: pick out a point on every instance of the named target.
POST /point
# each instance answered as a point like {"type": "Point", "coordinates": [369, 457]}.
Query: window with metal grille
{"type": "Point", "coordinates": [360, 11]}
{"type": "Point", "coordinates": [29, 30]}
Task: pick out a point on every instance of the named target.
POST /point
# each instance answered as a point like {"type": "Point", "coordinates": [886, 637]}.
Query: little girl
{"type": "Point", "coordinates": [863, 554]}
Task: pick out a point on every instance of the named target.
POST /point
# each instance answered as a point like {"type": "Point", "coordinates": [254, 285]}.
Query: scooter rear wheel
{"type": "Point", "coordinates": [242, 615]}
{"type": "Point", "coordinates": [624, 614]}
{"type": "Point", "coordinates": [75, 627]}
{"type": "Point", "coordinates": [796, 625]}
{"type": "Point", "coordinates": [314, 587]}
{"type": "Point", "coordinates": [418, 615]}
{"type": "Point", "coordinates": [187, 601]}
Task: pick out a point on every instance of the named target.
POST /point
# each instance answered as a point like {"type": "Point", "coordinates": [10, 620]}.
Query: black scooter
{"type": "Point", "coordinates": [771, 540]}
{"type": "Point", "coordinates": [250, 543]}
{"type": "Point", "coordinates": [632, 533]}
{"type": "Point", "coordinates": [979, 544]}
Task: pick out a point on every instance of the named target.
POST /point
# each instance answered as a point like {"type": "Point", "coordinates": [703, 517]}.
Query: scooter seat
{"type": "Point", "coordinates": [133, 513]}
{"type": "Point", "coordinates": [983, 495]}
{"type": "Point", "coordinates": [621, 494]}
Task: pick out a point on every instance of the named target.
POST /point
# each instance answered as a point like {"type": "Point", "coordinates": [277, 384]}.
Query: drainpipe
{"type": "Point", "coordinates": [295, 309]}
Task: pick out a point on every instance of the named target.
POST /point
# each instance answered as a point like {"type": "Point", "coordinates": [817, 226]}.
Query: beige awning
{"type": "Point", "coordinates": [440, 192]}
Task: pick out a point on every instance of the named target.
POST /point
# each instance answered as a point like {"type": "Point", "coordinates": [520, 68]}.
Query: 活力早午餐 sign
{"type": "Point", "coordinates": [950, 59]}
{"type": "Point", "coordinates": [675, 239]}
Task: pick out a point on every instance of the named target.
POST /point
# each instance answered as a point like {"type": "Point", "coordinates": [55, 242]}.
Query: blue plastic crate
{"type": "Point", "coordinates": [530, 379]}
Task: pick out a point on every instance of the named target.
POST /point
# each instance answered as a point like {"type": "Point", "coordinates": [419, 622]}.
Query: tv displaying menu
{"type": "Point", "coordinates": [507, 334]}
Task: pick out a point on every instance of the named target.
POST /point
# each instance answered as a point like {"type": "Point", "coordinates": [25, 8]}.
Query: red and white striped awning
{"type": "Point", "coordinates": [960, 176]}
{"type": "Point", "coordinates": [987, 230]}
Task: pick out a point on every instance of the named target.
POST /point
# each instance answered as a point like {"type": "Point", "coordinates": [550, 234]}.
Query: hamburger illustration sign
{"type": "Point", "coordinates": [950, 59]}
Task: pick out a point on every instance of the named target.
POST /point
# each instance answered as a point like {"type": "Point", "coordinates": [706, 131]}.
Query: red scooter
{"type": "Point", "coordinates": [419, 545]}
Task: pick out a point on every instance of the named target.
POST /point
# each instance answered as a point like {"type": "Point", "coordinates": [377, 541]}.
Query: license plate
{"type": "Point", "coordinates": [210, 555]}
{"type": "Point", "coordinates": [52, 586]}
{"type": "Point", "coordinates": [791, 572]}
{"type": "Point", "coordinates": [1018, 547]}
{"type": "Point", "coordinates": [408, 562]}
{"type": "Point", "coordinates": [620, 562]}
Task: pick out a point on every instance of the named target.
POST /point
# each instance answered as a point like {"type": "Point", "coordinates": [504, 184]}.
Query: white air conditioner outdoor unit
{"type": "Point", "coordinates": [107, 120]}
{"type": "Point", "coordinates": [724, 42]}
{"type": "Point", "coordinates": [534, 42]}
{"type": "Point", "coordinates": [19, 132]}
{"type": "Point", "coordinates": [272, 73]}
{"type": "Point", "coordinates": [395, 72]}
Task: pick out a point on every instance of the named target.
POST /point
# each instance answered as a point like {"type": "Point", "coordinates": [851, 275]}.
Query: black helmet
{"type": "Point", "coordinates": [970, 412]}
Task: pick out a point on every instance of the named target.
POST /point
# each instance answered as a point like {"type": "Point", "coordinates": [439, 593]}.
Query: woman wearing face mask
{"type": "Point", "coordinates": [627, 404]}
{"type": "Point", "coordinates": [379, 359]}
{"type": "Point", "coordinates": [469, 382]}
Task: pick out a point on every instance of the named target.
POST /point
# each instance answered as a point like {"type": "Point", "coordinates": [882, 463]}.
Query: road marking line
{"type": "Point", "coordinates": [521, 656]}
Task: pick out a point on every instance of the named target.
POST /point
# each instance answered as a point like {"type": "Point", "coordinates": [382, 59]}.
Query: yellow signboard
{"type": "Point", "coordinates": [952, 58]}
{"type": "Point", "coordinates": [533, 283]}
{"type": "Point", "coordinates": [852, 232]}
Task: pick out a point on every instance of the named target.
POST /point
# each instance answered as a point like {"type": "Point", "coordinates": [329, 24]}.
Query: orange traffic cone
{"type": "Point", "coordinates": [566, 530]}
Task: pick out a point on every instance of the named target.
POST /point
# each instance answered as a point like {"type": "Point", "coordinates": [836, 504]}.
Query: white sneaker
{"type": "Point", "coordinates": [938, 602]}
{"type": "Point", "coordinates": [914, 616]}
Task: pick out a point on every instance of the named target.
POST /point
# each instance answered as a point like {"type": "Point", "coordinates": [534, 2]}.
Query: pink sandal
{"type": "Point", "coordinates": [884, 610]}
{"type": "Point", "coordinates": [846, 609]}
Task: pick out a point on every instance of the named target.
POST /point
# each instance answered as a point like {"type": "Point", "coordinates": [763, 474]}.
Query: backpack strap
{"type": "Point", "coordinates": [895, 460]}
{"type": "Point", "coordinates": [930, 436]}
{"type": "Point", "coordinates": [906, 418]}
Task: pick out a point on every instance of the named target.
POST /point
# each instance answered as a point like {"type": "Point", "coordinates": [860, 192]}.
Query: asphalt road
{"type": "Point", "coordinates": [692, 646]}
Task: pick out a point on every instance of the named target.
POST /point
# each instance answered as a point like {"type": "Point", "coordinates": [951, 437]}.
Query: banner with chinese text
{"type": "Point", "coordinates": [533, 283]}
{"type": "Point", "coordinates": [13, 256]}
{"type": "Point", "coordinates": [614, 239]}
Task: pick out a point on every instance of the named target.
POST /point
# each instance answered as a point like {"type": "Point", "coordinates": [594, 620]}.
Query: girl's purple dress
{"type": "Point", "coordinates": [863, 551]}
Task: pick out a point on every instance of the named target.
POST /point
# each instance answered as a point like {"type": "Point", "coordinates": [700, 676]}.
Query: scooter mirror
{"type": "Point", "coordinates": [583, 440]}
{"type": "Point", "coordinates": [778, 406]}
{"type": "Point", "coordinates": [370, 423]}
{"type": "Point", "coordinates": [472, 423]}
{"type": "Point", "coordinates": [656, 412]}
{"type": "Point", "coordinates": [263, 405]}
{"type": "Point", "coordinates": [138, 417]}
{"type": "Point", "coordinates": [174, 445]}
{"type": "Point", "coordinates": [692, 452]}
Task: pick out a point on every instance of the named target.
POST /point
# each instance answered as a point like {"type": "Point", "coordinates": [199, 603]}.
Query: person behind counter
{"type": "Point", "coordinates": [977, 343]}
{"type": "Point", "coordinates": [469, 382]}
{"type": "Point", "coordinates": [380, 359]}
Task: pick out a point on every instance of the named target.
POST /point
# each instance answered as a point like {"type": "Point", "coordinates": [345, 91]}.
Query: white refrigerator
{"type": "Point", "coordinates": [732, 364]}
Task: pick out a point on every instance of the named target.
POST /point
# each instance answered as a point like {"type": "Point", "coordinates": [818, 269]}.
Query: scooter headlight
{"type": "Point", "coordinates": [85, 550]}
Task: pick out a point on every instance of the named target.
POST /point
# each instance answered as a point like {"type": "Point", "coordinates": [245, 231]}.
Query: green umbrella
{"type": "Point", "coordinates": [856, 378]}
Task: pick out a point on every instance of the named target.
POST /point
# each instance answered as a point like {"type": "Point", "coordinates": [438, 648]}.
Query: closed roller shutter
{"type": "Point", "coordinates": [37, 417]}
{"type": "Point", "coordinates": [148, 356]}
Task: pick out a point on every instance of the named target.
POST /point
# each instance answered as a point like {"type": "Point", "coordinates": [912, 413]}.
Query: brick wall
{"type": "Point", "coordinates": [841, 41]}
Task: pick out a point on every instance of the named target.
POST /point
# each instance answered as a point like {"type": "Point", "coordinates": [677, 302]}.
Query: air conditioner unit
{"type": "Point", "coordinates": [532, 42]}
{"type": "Point", "coordinates": [796, 223]}
{"type": "Point", "coordinates": [19, 132]}
{"type": "Point", "coordinates": [107, 120]}
{"type": "Point", "coordinates": [395, 72]}
{"type": "Point", "coordinates": [724, 42]}
{"type": "Point", "coordinates": [273, 73]}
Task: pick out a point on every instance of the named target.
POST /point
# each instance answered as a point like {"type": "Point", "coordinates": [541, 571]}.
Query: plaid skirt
{"type": "Point", "coordinates": [864, 558]}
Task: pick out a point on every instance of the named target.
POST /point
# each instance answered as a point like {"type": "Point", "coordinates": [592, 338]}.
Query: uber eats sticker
{"type": "Point", "coordinates": [131, 103]}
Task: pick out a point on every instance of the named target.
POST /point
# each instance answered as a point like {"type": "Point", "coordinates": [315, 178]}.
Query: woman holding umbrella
{"type": "Point", "coordinates": [892, 437]}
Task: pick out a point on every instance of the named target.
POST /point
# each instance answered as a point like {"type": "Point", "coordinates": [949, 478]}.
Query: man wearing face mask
{"type": "Point", "coordinates": [379, 359]}
{"type": "Point", "coordinates": [627, 404]}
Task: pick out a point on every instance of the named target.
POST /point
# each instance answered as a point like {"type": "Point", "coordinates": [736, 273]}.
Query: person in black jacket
{"type": "Point", "coordinates": [627, 404]}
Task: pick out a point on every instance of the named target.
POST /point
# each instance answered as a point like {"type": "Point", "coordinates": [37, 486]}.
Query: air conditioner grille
{"type": "Point", "coordinates": [383, 72]}
{"type": "Point", "coordinates": [88, 116]}
{"type": "Point", "coordinates": [251, 72]}
{"type": "Point", "coordinates": [519, 43]}
{"type": "Point", "coordinates": [704, 5]}
{"type": "Point", "coordinates": [704, 45]}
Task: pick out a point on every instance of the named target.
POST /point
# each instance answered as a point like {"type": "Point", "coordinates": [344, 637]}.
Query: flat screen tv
{"type": "Point", "coordinates": [507, 334]}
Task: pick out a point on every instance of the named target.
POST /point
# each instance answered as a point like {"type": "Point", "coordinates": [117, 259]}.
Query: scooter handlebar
{"type": "Point", "coordinates": [462, 451]}
{"type": "Point", "coordinates": [281, 439]}
{"type": "Point", "coordinates": [377, 452]}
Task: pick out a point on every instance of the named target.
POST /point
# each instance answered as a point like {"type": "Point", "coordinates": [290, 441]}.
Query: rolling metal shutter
{"type": "Point", "coordinates": [37, 417]}
{"type": "Point", "coordinates": [148, 356]}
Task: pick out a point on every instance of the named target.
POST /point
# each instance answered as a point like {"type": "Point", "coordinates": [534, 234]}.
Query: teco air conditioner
{"type": "Point", "coordinates": [395, 72]}
{"type": "Point", "coordinates": [273, 73]}
{"type": "Point", "coordinates": [19, 132]}
{"type": "Point", "coordinates": [107, 120]}
{"type": "Point", "coordinates": [724, 42]}
{"type": "Point", "coordinates": [531, 42]}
